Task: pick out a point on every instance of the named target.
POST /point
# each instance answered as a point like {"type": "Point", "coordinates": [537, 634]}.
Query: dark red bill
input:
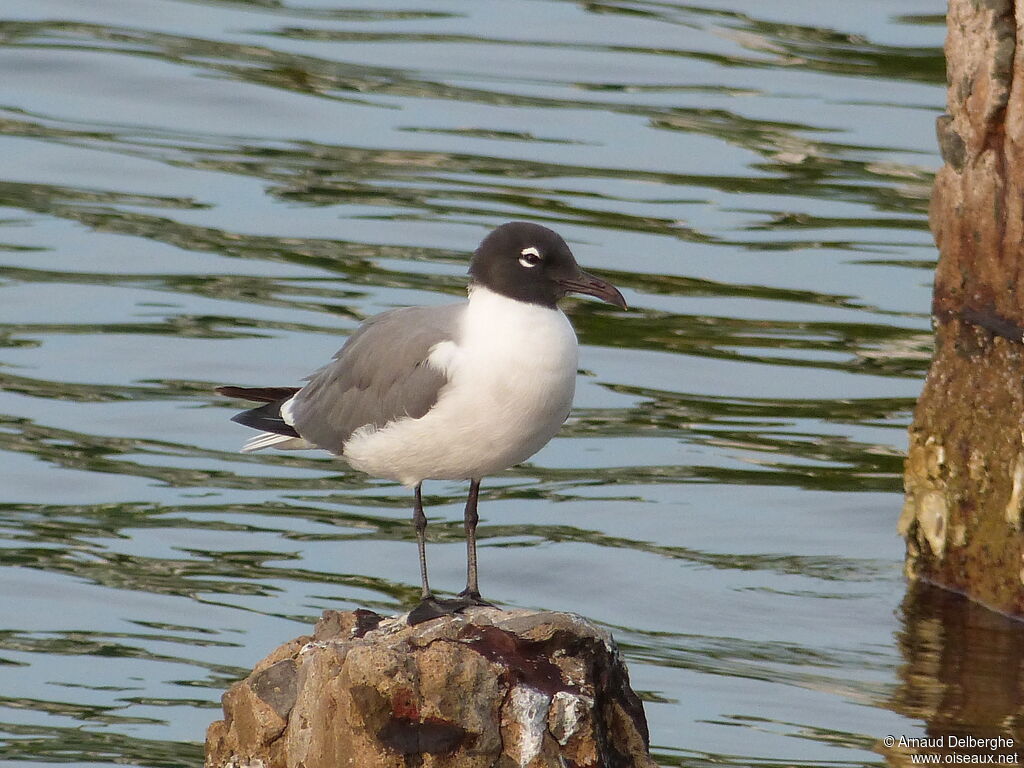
{"type": "Point", "coordinates": [584, 282]}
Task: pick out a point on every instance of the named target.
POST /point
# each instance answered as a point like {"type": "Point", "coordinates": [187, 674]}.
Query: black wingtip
{"type": "Point", "coordinates": [257, 394]}
{"type": "Point", "coordinates": [266, 418]}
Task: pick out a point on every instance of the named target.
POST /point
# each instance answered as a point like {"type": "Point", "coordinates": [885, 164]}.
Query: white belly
{"type": "Point", "coordinates": [512, 376]}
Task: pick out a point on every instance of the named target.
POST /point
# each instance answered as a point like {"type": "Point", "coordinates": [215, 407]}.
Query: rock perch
{"type": "Point", "coordinates": [485, 687]}
{"type": "Point", "coordinates": [964, 515]}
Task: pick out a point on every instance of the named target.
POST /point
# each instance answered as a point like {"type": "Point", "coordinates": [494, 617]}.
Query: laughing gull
{"type": "Point", "coordinates": [453, 392]}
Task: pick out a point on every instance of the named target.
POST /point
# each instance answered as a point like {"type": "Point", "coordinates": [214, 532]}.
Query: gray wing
{"type": "Point", "coordinates": [380, 375]}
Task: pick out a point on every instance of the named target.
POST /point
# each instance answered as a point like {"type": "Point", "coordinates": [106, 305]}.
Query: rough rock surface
{"type": "Point", "coordinates": [965, 471]}
{"type": "Point", "coordinates": [964, 475]}
{"type": "Point", "coordinates": [482, 688]}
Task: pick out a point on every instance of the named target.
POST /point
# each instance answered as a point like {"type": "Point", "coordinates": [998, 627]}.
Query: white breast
{"type": "Point", "coordinates": [512, 375]}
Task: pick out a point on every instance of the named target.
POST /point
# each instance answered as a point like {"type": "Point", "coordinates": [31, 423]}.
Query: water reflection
{"type": "Point", "coordinates": [961, 676]}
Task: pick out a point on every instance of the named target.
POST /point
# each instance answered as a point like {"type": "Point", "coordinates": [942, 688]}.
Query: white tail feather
{"type": "Point", "coordinates": [273, 440]}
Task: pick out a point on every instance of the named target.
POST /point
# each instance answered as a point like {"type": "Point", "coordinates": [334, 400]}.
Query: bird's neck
{"type": "Point", "coordinates": [498, 327]}
{"type": "Point", "coordinates": [483, 300]}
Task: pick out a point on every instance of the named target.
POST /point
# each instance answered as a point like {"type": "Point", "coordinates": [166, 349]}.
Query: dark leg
{"type": "Point", "coordinates": [419, 520]}
{"type": "Point", "coordinates": [431, 607]}
{"type": "Point", "coordinates": [472, 590]}
{"type": "Point", "coordinates": [471, 519]}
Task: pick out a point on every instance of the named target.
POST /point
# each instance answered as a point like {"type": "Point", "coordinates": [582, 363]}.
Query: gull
{"type": "Point", "coordinates": [453, 392]}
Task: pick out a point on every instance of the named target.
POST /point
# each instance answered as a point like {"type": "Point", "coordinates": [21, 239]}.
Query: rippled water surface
{"type": "Point", "coordinates": [196, 193]}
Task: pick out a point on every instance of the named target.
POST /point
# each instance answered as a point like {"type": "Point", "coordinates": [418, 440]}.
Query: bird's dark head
{"type": "Point", "coordinates": [531, 263]}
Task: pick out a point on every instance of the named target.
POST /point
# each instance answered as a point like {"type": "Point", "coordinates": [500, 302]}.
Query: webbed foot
{"type": "Point", "coordinates": [472, 597]}
{"type": "Point", "coordinates": [435, 607]}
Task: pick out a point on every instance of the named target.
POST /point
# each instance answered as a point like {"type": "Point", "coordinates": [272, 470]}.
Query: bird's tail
{"type": "Point", "coordinates": [276, 432]}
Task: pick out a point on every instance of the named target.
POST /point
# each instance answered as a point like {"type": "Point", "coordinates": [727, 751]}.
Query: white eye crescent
{"type": "Point", "coordinates": [529, 257]}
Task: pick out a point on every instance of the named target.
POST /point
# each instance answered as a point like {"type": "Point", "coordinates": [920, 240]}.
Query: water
{"type": "Point", "coordinates": [207, 192]}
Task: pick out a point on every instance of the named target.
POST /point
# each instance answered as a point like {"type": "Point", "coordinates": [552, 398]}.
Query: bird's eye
{"type": "Point", "coordinates": [529, 257]}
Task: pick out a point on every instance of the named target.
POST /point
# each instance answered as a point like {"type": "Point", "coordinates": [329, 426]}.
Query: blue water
{"type": "Point", "coordinates": [197, 193]}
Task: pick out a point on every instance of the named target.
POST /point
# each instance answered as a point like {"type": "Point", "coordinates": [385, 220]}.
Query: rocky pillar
{"type": "Point", "coordinates": [964, 477]}
{"type": "Point", "coordinates": [482, 688]}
